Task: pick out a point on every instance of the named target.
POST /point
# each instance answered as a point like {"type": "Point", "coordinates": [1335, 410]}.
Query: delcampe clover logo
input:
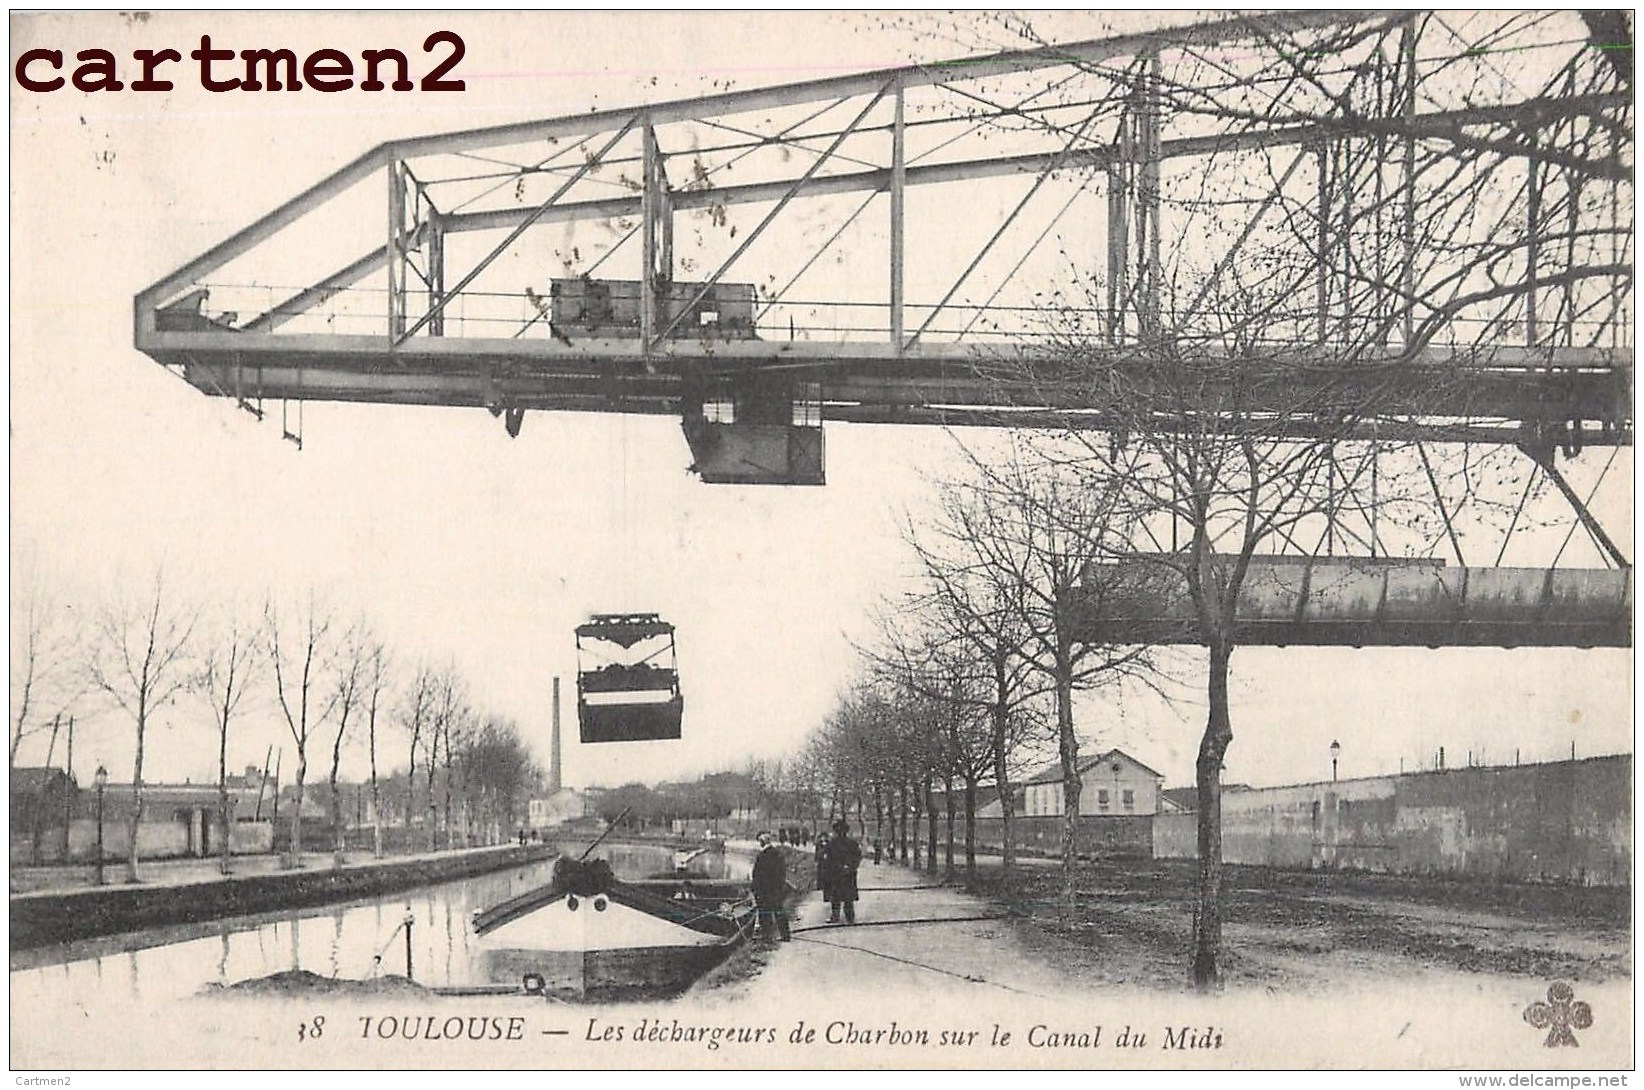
{"type": "Point", "coordinates": [1559, 1015]}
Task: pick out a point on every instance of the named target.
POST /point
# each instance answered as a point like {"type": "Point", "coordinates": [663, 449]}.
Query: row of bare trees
{"type": "Point", "coordinates": [976, 670]}
{"type": "Point", "coordinates": [331, 682]}
{"type": "Point", "coordinates": [1298, 373]}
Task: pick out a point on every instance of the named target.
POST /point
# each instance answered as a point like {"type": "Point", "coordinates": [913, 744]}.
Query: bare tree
{"type": "Point", "coordinates": [140, 662]}
{"type": "Point", "coordinates": [416, 716]}
{"type": "Point", "coordinates": [376, 682]}
{"type": "Point", "coordinates": [352, 681]}
{"type": "Point", "coordinates": [459, 725]}
{"type": "Point", "coordinates": [302, 657]}
{"type": "Point", "coordinates": [1376, 237]}
{"type": "Point", "coordinates": [229, 668]}
{"type": "Point", "coordinates": [47, 661]}
{"type": "Point", "coordinates": [447, 715]}
{"type": "Point", "coordinates": [934, 667]}
{"type": "Point", "coordinates": [975, 614]}
{"type": "Point", "coordinates": [1033, 537]}
{"type": "Point", "coordinates": [497, 774]}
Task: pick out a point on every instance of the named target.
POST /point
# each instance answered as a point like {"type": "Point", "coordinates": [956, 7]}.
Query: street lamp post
{"type": "Point", "coordinates": [102, 782]}
{"type": "Point", "coordinates": [1335, 755]}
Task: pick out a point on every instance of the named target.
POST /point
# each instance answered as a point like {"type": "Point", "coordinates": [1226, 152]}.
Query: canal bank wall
{"type": "Point", "coordinates": [39, 919]}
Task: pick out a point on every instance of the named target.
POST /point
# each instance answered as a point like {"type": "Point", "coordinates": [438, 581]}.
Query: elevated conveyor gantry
{"type": "Point", "coordinates": [453, 309]}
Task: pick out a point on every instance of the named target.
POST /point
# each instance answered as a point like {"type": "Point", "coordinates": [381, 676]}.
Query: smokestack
{"type": "Point", "coordinates": [553, 758]}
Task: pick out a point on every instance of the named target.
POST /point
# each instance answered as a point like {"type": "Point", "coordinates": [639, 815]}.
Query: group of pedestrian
{"type": "Point", "coordinates": [837, 858]}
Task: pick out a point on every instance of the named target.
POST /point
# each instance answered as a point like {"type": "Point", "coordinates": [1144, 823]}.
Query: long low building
{"type": "Point", "coordinates": [1564, 821]}
{"type": "Point", "coordinates": [56, 819]}
{"type": "Point", "coordinates": [1338, 601]}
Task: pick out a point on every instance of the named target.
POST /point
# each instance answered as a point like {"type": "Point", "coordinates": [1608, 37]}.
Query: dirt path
{"type": "Point", "coordinates": [1133, 923]}
{"type": "Point", "coordinates": [912, 934]}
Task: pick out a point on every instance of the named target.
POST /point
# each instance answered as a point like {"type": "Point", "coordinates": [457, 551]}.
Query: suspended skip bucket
{"type": "Point", "coordinates": [627, 679]}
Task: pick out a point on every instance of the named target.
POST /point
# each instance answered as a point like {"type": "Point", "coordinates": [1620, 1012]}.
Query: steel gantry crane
{"type": "Point", "coordinates": [1362, 225]}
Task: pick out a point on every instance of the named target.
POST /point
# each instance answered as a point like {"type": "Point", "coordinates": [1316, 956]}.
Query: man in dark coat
{"type": "Point", "coordinates": [770, 888]}
{"type": "Point", "coordinates": [821, 852]}
{"type": "Point", "coordinates": [844, 856]}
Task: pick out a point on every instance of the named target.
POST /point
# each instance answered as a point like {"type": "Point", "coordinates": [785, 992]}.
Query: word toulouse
{"type": "Point", "coordinates": [329, 70]}
{"type": "Point", "coordinates": [434, 1028]}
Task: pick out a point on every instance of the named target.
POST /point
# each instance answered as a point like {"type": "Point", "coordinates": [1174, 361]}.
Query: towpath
{"type": "Point", "coordinates": [27, 880]}
{"type": "Point", "coordinates": [911, 934]}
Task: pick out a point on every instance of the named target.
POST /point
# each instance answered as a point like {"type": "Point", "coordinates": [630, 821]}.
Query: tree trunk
{"type": "Point", "coordinates": [376, 813]}
{"type": "Point", "coordinates": [136, 793]}
{"type": "Point", "coordinates": [337, 840]}
{"type": "Point", "coordinates": [297, 808]}
{"type": "Point", "coordinates": [879, 817]}
{"type": "Point", "coordinates": [1001, 780]}
{"type": "Point", "coordinates": [448, 834]}
{"type": "Point", "coordinates": [1068, 750]}
{"type": "Point", "coordinates": [892, 803]}
{"type": "Point", "coordinates": [376, 797]}
{"type": "Point", "coordinates": [411, 787]}
{"type": "Point", "coordinates": [947, 788]}
{"type": "Point", "coordinates": [916, 830]}
{"type": "Point", "coordinates": [223, 848]}
{"type": "Point", "coordinates": [903, 808]}
{"type": "Point", "coordinates": [40, 801]}
{"type": "Point", "coordinates": [917, 814]}
{"type": "Point", "coordinates": [1218, 733]}
{"type": "Point", "coordinates": [930, 821]}
{"type": "Point", "coordinates": [433, 800]}
{"type": "Point", "coordinates": [970, 822]}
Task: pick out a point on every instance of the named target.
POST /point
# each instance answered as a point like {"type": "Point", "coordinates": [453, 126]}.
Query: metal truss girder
{"type": "Point", "coordinates": [1090, 52]}
{"type": "Point", "coordinates": [441, 370]}
{"type": "Point", "coordinates": [979, 416]}
{"type": "Point", "coordinates": [661, 394]}
{"type": "Point", "coordinates": [597, 121]}
{"type": "Point", "coordinates": [347, 350]}
{"type": "Point", "coordinates": [1026, 165]}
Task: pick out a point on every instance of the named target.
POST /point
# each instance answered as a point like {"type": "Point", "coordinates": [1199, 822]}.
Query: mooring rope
{"type": "Point", "coordinates": [377, 959]}
{"type": "Point", "coordinates": [893, 889]}
{"type": "Point", "coordinates": [894, 923]}
{"type": "Point", "coordinates": [727, 909]}
{"type": "Point", "coordinates": [971, 977]}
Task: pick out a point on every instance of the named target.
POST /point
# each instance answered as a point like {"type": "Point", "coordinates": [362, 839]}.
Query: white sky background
{"type": "Point", "coordinates": [460, 543]}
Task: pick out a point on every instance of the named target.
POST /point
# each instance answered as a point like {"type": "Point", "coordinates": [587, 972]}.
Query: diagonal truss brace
{"type": "Point", "coordinates": [1579, 506]}
{"type": "Point", "coordinates": [524, 224]}
{"type": "Point", "coordinates": [793, 191]}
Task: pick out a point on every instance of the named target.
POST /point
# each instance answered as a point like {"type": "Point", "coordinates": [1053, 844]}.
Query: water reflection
{"type": "Point", "coordinates": [343, 940]}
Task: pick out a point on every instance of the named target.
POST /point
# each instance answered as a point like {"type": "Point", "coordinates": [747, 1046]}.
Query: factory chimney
{"type": "Point", "coordinates": [554, 783]}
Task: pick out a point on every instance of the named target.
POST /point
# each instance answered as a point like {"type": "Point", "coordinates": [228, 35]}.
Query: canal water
{"type": "Point", "coordinates": [344, 940]}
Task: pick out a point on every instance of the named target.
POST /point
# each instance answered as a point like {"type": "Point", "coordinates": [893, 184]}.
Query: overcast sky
{"type": "Point", "coordinates": [463, 545]}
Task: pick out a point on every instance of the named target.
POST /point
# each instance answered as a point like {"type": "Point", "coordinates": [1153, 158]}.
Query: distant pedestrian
{"type": "Point", "coordinates": [770, 889]}
{"type": "Point", "coordinates": [522, 838]}
{"type": "Point", "coordinates": [843, 859]}
{"type": "Point", "coordinates": [877, 851]}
